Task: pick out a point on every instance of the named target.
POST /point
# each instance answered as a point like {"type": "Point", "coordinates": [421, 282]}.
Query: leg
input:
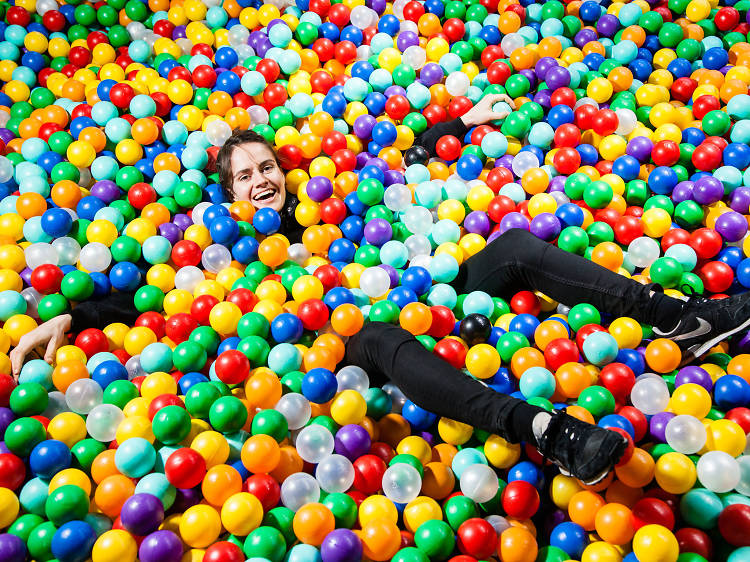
{"type": "Point", "coordinates": [518, 260]}
{"type": "Point", "coordinates": [431, 383]}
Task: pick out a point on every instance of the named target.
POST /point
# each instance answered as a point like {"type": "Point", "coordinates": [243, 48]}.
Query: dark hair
{"type": "Point", "coordinates": [224, 158]}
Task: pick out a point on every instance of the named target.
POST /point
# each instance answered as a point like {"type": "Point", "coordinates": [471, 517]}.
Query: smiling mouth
{"type": "Point", "coordinates": [265, 195]}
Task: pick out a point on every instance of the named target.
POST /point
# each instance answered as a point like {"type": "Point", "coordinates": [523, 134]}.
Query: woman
{"type": "Point", "coordinates": [249, 170]}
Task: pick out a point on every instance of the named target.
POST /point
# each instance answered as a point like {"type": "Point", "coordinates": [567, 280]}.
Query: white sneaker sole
{"type": "Point", "coordinates": [705, 346]}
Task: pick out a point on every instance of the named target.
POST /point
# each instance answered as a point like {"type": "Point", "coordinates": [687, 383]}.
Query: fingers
{"type": "Point", "coordinates": [52, 346]}
{"type": "Point", "coordinates": [500, 114]}
{"type": "Point", "coordinates": [16, 359]}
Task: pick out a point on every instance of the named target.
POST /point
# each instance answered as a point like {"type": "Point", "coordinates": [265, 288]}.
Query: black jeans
{"type": "Point", "coordinates": [514, 261]}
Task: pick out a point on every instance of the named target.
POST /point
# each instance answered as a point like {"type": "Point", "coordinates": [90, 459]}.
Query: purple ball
{"type": "Point", "coordinates": [393, 176]}
{"type": "Point", "coordinates": [142, 513]}
{"type": "Point", "coordinates": [530, 74]}
{"type": "Point", "coordinates": [362, 157]}
{"type": "Point", "coordinates": [26, 275]}
{"type": "Point", "coordinates": [407, 39]}
{"type": "Point", "coordinates": [740, 200]}
{"type": "Point", "coordinates": [319, 188]}
{"type": "Point", "coordinates": [545, 226]}
{"type": "Point", "coordinates": [683, 191]}
{"type": "Point", "coordinates": [378, 232]}
{"type": "Point", "coordinates": [731, 225]}
{"type": "Point", "coordinates": [607, 25]}
{"type": "Point", "coordinates": [171, 232]}
{"type": "Point", "coordinates": [543, 98]}
{"type": "Point", "coordinates": [363, 126]}
{"type": "Point", "coordinates": [13, 549]}
{"type": "Point", "coordinates": [392, 274]}
{"type": "Point", "coordinates": [505, 161]}
{"type": "Point", "coordinates": [161, 546]}
{"type": "Point", "coordinates": [379, 163]}
{"type": "Point", "coordinates": [185, 498]}
{"type": "Point", "coordinates": [585, 36]}
{"type": "Point", "coordinates": [431, 74]}
{"type": "Point", "coordinates": [6, 135]}
{"type": "Point", "coordinates": [477, 222]}
{"type": "Point", "coordinates": [544, 64]}
{"type": "Point", "coordinates": [658, 425]}
{"type": "Point", "coordinates": [352, 441]}
{"type": "Point", "coordinates": [513, 220]}
{"type": "Point", "coordinates": [692, 374]}
{"type": "Point", "coordinates": [179, 32]}
{"type": "Point", "coordinates": [708, 190]}
{"type": "Point", "coordinates": [341, 545]}
{"type": "Point", "coordinates": [557, 77]}
{"type": "Point", "coordinates": [394, 91]}
{"type": "Point", "coordinates": [640, 148]}
{"type": "Point", "coordinates": [6, 416]}
{"type": "Point", "coordinates": [378, 5]}
{"type": "Point", "coordinates": [182, 221]}
{"type": "Point", "coordinates": [106, 190]}
{"type": "Point", "coordinates": [557, 184]}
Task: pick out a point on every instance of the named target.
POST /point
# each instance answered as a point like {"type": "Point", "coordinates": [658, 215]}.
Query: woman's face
{"type": "Point", "coordinates": [256, 177]}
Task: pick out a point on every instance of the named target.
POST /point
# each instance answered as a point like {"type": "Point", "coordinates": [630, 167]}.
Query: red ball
{"type": "Point", "coordinates": [368, 474]}
{"type": "Point", "coordinates": [586, 331]}
{"type": "Point", "coordinates": [185, 468]}
{"type": "Point", "coordinates": [121, 94]}
{"type": "Point", "coordinates": [740, 416]}
{"type": "Point", "coordinates": [54, 20]}
{"type": "Point", "coordinates": [339, 14]}
{"type": "Point", "coordinates": [164, 28]}
{"type": "Point", "coordinates": [560, 351]}
{"type": "Point", "coordinates": [525, 302]}
{"type": "Point", "coordinates": [706, 242]}
{"type": "Point", "coordinates": [717, 276]}
{"type": "Point", "coordinates": [269, 68]}
{"type": "Point", "coordinates": [245, 299]}
{"type": "Point", "coordinates": [682, 89]}
{"type": "Point", "coordinates": [12, 471]}
{"type": "Point", "coordinates": [335, 140]}
{"type": "Point", "coordinates": [232, 366]}
{"type": "Point", "coordinates": [345, 52]}
{"type": "Point", "coordinates": [344, 159]}
{"type": "Point", "coordinates": [497, 178]}
{"type": "Point", "coordinates": [695, 540]}
{"type": "Point", "coordinates": [7, 384]}
{"type": "Point", "coordinates": [204, 76]}
{"type": "Point", "coordinates": [154, 322]}
{"type": "Point", "coordinates": [383, 451]}
{"type": "Point", "coordinates": [498, 72]}
{"type": "Point", "coordinates": [333, 211]}
{"type": "Point", "coordinates": [652, 511]}
{"type": "Point", "coordinates": [16, 15]}
{"type": "Point", "coordinates": [141, 194]}
{"type": "Point", "coordinates": [627, 229]}
{"type": "Point", "coordinates": [320, 7]}
{"type": "Point", "coordinates": [79, 56]}
{"type": "Point", "coordinates": [201, 308]}
{"type": "Point", "coordinates": [186, 252]}
{"type": "Point", "coordinates": [477, 538]}
{"type": "Point", "coordinates": [567, 160]}
{"type": "Point", "coordinates": [704, 104]}
{"type": "Point", "coordinates": [162, 401]}
{"type": "Point", "coordinates": [665, 153]}
{"type": "Point", "coordinates": [179, 327]}
{"type": "Point", "coordinates": [329, 276]}
{"type": "Point", "coordinates": [413, 11]}
{"type": "Point", "coordinates": [605, 122]}
{"type": "Point", "coordinates": [223, 551]}
{"type": "Point", "coordinates": [734, 524]}
{"type": "Point", "coordinates": [324, 48]}
{"type": "Point", "coordinates": [265, 488]}
{"type": "Point", "coordinates": [46, 278]}
{"type": "Point", "coordinates": [397, 107]}
{"type": "Point", "coordinates": [567, 135]}
{"type": "Point", "coordinates": [637, 419]}
{"type": "Point", "coordinates": [451, 351]}
{"type": "Point", "coordinates": [500, 206]}
{"type": "Point", "coordinates": [706, 157]}
{"type": "Point", "coordinates": [619, 379]}
{"type": "Point", "coordinates": [520, 499]}
{"type": "Point", "coordinates": [313, 313]}
{"type": "Point", "coordinates": [727, 18]}
{"type": "Point", "coordinates": [275, 95]}
{"type": "Point", "coordinates": [448, 147]}
{"type": "Point", "coordinates": [92, 341]}
{"type": "Point", "coordinates": [563, 96]}
{"type": "Point", "coordinates": [443, 321]}
{"type": "Point", "coordinates": [290, 156]}
{"type": "Point", "coordinates": [454, 29]}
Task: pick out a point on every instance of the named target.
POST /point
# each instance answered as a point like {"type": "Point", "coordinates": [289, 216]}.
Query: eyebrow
{"type": "Point", "coordinates": [247, 170]}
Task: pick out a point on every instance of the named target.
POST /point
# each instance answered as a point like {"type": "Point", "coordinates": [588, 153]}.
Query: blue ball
{"type": "Point", "coordinates": [418, 279]}
{"type": "Point", "coordinates": [245, 250]}
{"type": "Point", "coordinates": [224, 230]}
{"type": "Point", "coordinates": [125, 276]}
{"type": "Point", "coordinates": [266, 221]}
{"type": "Point", "coordinates": [73, 541]}
{"type": "Point", "coordinates": [731, 391]}
{"type": "Point", "coordinates": [528, 472]}
{"type": "Point", "coordinates": [419, 418]}
{"type": "Point", "coordinates": [319, 385]}
{"type": "Point", "coordinates": [570, 537]}
{"type": "Point", "coordinates": [49, 457]}
{"type": "Point", "coordinates": [109, 371]}
{"type": "Point", "coordinates": [286, 328]}
{"type": "Point", "coordinates": [56, 222]}
{"type": "Point", "coordinates": [615, 420]}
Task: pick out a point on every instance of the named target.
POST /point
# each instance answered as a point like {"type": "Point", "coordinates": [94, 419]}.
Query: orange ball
{"type": "Point", "coordinates": [572, 379]}
{"type": "Point", "coordinates": [272, 252]}
{"type": "Point", "coordinates": [614, 523]}
{"type": "Point", "coordinates": [517, 544]}
{"type": "Point", "coordinates": [381, 539]}
{"type": "Point", "coordinates": [260, 453]}
{"type": "Point", "coordinates": [289, 463]}
{"type": "Point", "coordinates": [638, 472]}
{"type": "Point", "coordinates": [312, 523]}
{"type": "Point", "coordinates": [31, 205]}
{"type": "Point", "coordinates": [263, 389]}
{"type": "Point", "coordinates": [67, 372]}
{"type": "Point", "coordinates": [112, 492]}
{"type": "Point", "coordinates": [583, 508]}
{"type": "Point", "coordinates": [415, 318]}
{"type": "Point", "coordinates": [438, 480]}
{"type": "Point", "coordinates": [347, 319]}
{"type": "Point", "coordinates": [221, 482]}
{"type": "Point", "coordinates": [103, 466]}
{"type": "Point", "coordinates": [663, 355]}
{"type": "Point", "coordinates": [66, 193]}
{"type": "Point", "coordinates": [525, 358]}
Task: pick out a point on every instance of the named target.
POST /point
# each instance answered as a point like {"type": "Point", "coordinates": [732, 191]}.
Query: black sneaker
{"type": "Point", "coordinates": [706, 322]}
{"type": "Point", "coordinates": [583, 450]}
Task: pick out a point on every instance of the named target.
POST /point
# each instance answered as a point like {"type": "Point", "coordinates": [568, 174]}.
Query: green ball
{"type": "Point", "coordinates": [118, 35]}
{"type": "Point", "coordinates": [598, 194]}
{"type": "Point", "coordinates": [85, 451]}
{"type": "Point", "coordinates": [378, 402]}
{"type": "Point", "coordinates": [148, 298]}
{"type": "Point", "coordinates": [582, 314]}
{"type": "Point", "coordinates": [293, 381]}
{"type": "Point", "coordinates": [59, 142]}
{"type": "Point", "coordinates": [256, 349]}
{"type": "Point", "coordinates": [265, 542]}
{"type": "Point", "coordinates": [575, 185]}
{"type": "Point", "coordinates": [40, 541]}
{"type": "Point", "coordinates": [384, 311]}
{"type": "Point", "coordinates": [343, 507]}
{"type": "Point", "coordinates": [688, 214]}
{"type": "Point", "coordinates": [126, 248]}
{"type": "Point", "coordinates": [509, 343]}
{"type": "Point", "coordinates": [476, 12]}
{"type": "Point", "coordinates": [459, 509]}
{"type": "Point", "coordinates": [41, 97]}
{"type": "Point", "coordinates": [270, 422]}
{"type": "Point", "coordinates": [636, 192]}
{"type": "Point", "coordinates": [406, 458]}
{"type": "Point", "coordinates": [24, 525]}
{"type": "Point", "coordinates": [23, 434]}
{"type": "Point", "coordinates": [28, 399]}
{"type": "Point", "coordinates": [597, 400]}
{"type": "Point", "coordinates": [107, 16]}
{"type": "Point", "coordinates": [52, 306]}
{"type": "Point", "coordinates": [77, 286]}
{"type": "Point", "coordinates": [136, 10]}
{"type": "Point", "coordinates": [598, 232]}
{"type": "Point", "coordinates": [716, 123]}
{"type": "Point", "coordinates": [127, 177]}
{"type": "Point", "coordinates": [666, 271]}
{"type": "Point", "coordinates": [370, 191]}
{"type": "Point", "coordinates": [227, 414]}
{"type": "Point", "coordinates": [306, 33]}
{"type": "Point", "coordinates": [199, 398]}
{"type": "Point", "coordinates": [552, 554]}
{"type": "Point", "coordinates": [119, 393]}
{"type": "Point", "coordinates": [404, 75]}
{"type": "Point", "coordinates": [207, 338]}
{"type": "Point", "coordinates": [516, 124]}
{"type": "Point", "coordinates": [188, 194]}
{"type": "Point", "coordinates": [367, 255]}
{"type": "Point", "coordinates": [85, 14]}
{"type": "Point", "coordinates": [573, 239]}
{"type": "Point", "coordinates": [410, 554]}
{"type": "Point", "coordinates": [281, 519]}
{"type": "Point", "coordinates": [189, 356]}
{"type": "Point", "coordinates": [66, 503]}
{"type": "Point", "coordinates": [171, 424]}
{"type": "Point", "coordinates": [435, 539]}
{"type": "Point", "coordinates": [416, 122]}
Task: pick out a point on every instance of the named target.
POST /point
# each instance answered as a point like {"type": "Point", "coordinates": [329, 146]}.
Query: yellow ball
{"type": "Point", "coordinates": [419, 510]}
{"type": "Point", "coordinates": [691, 399]}
{"type": "Point", "coordinates": [655, 542]}
{"type": "Point", "coordinates": [71, 476]}
{"type": "Point", "coordinates": [224, 317]}
{"type": "Point", "coordinates": [9, 507]}
{"type": "Point", "coordinates": [675, 473]}
{"type": "Point", "coordinates": [241, 513]}
{"type": "Point", "coordinates": [138, 338]}
{"type": "Point", "coordinates": [348, 407]}
{"type": "Point", "coordinates": [482, 361]}
{"type": "Point", "coordinates": [377, 507]}
{"type": "Point", "coordinates": [81, 154]}
{"type": "Point", "coordinates": [601, 552]}
{"type": "Point", "coordinates": [600, 90]}
{"type": "Point", "coordinates": [70, 353]}
{"type": "Point", "coordinates": [116, 545]}
{"type": "Point", "coordinates": [157, 384]}
{"type": "Point", "coordinates": [500, 453]}
{"type": "Point", "coordinates": [627, 332]}
{"type": "Point", "coordinates": [67, 427]}
{"type": "Point", "coordinates": [102, 231]}
{"type": "Point", "coordinates": [454, 432]}
{"type": "Point", "coordinates": [18, 325]}
{"type": "Point", "coordinates": [212, 446]}
{"type": "Point", "coordinates": [416, 446]}
{"type": "Point", "coordinates": [726, 435]}
{"type": "Point", "coordinates": [200, 526]}
{"type": "Point", "coordinates": [135, 426]}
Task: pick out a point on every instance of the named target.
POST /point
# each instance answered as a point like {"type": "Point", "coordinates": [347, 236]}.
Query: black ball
{"type": "Point", "coordinates": [475, 329]}
{"type": "Point", "coordinates": [416, 155]}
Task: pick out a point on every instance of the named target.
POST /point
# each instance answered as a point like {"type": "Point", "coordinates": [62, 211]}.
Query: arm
{"type": "Point", "coordinates": [480, 114]}
{"type": "Point", "coordinates": [117, 307]}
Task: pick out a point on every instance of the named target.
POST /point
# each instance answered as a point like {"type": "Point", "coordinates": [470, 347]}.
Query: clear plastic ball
{"type": "Point", "coordinates": [685, 434]}
{"type": "Point", "coordinates": [397, 197]}
{"type": "Point", "coordinates": [56, 405]}
{"type": "Point", "coordinates": [217, 132]}
{"type": "Point", "coordinates": [418, 219]}
{"type": "Point", "coordinates": [32, 298]}
{"type": "Point", "coordinates": [457, 83]}
{"type": "Point", "coordinates": [68, 250]}
{"type": "Point", "coordinates": [398, 399]}
{"type": "Point", "coordinates": [83, 395]}
{"type": "Point", "coordinates": [102, 422]}
{"type": "Point", "coordinates": [314, 443]}
{"type": "Point", "coordinates": [295, 408]}
{"type": "Point", "coordinates": [479, 483]}
{"type": "Point", "coordinates": [374, 282]}
{"type": "Point", "coordinates": [418, 245]}
{"type": "Point", "coordinates": [650, 396]}
{"type": "Point", "coordinates": [415, 56]}
{"type": "Point", "coordinates": [133, 367]}
{"type": "Point", "coordinates": [643, 251]}
{"type": "Point", "coordinates": [188, 277]}
{"type": "Point", "coordinates": [198, 211]}
{"type": "Point", "coordinates": [498, 522]}
{"type": "Point", "coordinates": [352, 377]}
{"type": "Point", "coordinates": [718, 471]}
{"type": "Point", "coordinates": [6, 169]}
{"type": "Point", "coordinates": [523, 162]}
{"type": "Point", "coordinates": [335, 474]}
{"type": "Point", "coordinates": [626, 121]}
{"type": "Point", "coordinates": [40, 253]}
{"type": "Point", "coordinates": [299, 489]}
{"type": "Point", "coordinates": [743, 487]}
{"type": "Point", "coordinates": [298, 253]}
{"type": "Point", "coordinates": [95, 256]}
{"type": "Point", "coordinates": [216, 257]}
{"type": "Point", "coordinates": [401, 483]}
{"type": "Point", "coordinates": [511, 42]}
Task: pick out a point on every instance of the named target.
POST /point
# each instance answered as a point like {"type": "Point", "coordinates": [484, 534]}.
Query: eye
{"type": "Point", "coordinates": [243, 177]}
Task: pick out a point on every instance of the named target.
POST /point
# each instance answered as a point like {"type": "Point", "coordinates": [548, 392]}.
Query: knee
{"type": "Point", "coordinates": [513, 240]}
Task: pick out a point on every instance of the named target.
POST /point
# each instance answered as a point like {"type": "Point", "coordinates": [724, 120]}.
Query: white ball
{"type": "Point", "coordinates": [650, 396]}
{"type": "Point", "coordinates": [295, 408]}
{"type": "Point", "coordinates": [83, 395]}
{"type": "Point", "coordinates": [718, 471]}
{"type": "Point", "coordinates": [479, 483]}
{"type": "Point", "coordinates": [95, 256]}
{"type": "Point", "coordinates": [299, 489]}
{"type": "Point", "coordinates": [314, 443]}
{"type": "Point", "coordinates": [102, 422]}
{"type": "Point", "coordinates": [188, 277]}
{"type": "Point", "coordinates": [335, 474]}
{"type": "Point", "coordinates": [685, 434]}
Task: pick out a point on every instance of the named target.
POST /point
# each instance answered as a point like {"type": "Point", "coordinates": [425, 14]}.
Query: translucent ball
{"type": "Point", "coordinates": [457, 83]}
{"type": "Point", "coordinates": [102, 422]}
{"type": "Point", "coordinates": [643, 251]}
{"type": "Point", "coordinates": [217, 132]}
{"type": "Point", "coordinates": [626, 121]}
{"type": "Point", "coordinates": [479, 483]}
{"type": "Point", "coordinates": [743, 487]}
{"type": "Point", "coordinates": [374, 282]}
{"type": "Point", "coordinates": [133, 367]}
{"type": "Point", "coordinates": [418, 219]}
{"type": "Point", "coordinates": [40, 253]}
{"type": "Point", "coordinates": [401, 483]}
{"type": "Point", "coordinates": [32, 298]}
{"type": "Point", "coordinates": [362, 17]}
{"type": "Point", "coordinates": [299, 489]}
{"type": "Point", "coordinates": [415, 56]}
{"type": "Point", "coordinates": [216, 257]}
{"type": "Point", "coordinates": [314, 443]}
{"type": "Point", "coordinates": [95, 256]}
{"type": "Point", "coordinates": [298, 253]}
{"type": "Point", "coordinates": [199, 210]}
{"type": "Point", "coordinates": [511, 42]}
{"type": "Point", "coordinates": [650, 396]}
{"type": "Point", "coordinates": [523, 162]}
{"type": "Point", "coordinates": [6, 169]}
{"type": "Point", "coordinates": [498, 522]}
{"type": "Point", "coordinates": [188, 277]}
{"type": "Point", "coordinates": [295, 408]}
{"type": "Point", "coordinates": [83, 395]}
{"type": "Point", "coordinates": [718, 471]}
{"type": "Point", "coordinates": [335, 474]}
{"type": "Point", "coordinates": [685, 434]}
{"type": "Point", "coordinates": [56, 405]}
{"type": "Point", "coordinates": [418, 245]}
{"type": "Point", "coordinates": [68, 249]}
{"type": "Point", "coordinates": [397, 197]}
{"type": "Point", "coordinates": [352, 377]}
{"type": "Point", "coordinates": [398, 399]}
{"type": "Point", "coordinates": [238, 35]}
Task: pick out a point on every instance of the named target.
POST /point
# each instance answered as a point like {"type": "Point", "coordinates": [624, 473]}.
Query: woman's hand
{"type": "Point", "coordinates": [483, 113]}
{"type": "Point", "coordinates": [51, 333]}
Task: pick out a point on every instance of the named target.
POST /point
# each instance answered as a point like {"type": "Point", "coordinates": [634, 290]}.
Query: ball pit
{"type": "Point", "coordinates": [220, 425]}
